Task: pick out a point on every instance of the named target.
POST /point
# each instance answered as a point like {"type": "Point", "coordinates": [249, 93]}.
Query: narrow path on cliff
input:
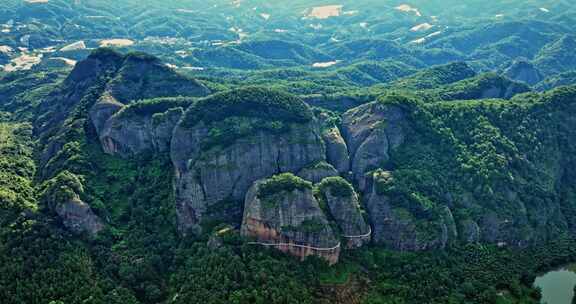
{"type": "Point", "coordinates": [359, 236]}
{"type": "Point", "coordinates": [295, 245]}
{"type": "Point", "coordinates": [310, 247]}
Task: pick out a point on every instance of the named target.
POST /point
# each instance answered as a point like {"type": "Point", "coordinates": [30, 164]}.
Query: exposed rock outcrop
{"type": "Point", "coordinates": [344, 206]}
{"type": "Point", "coordinates": [104, 82]}
{"type": "Point", "coordinates": [61, 194]}
{"type": "Point", "coordinates": [317, 172]}
{"type": "Point", "coordinates": [406, 228]}
{"type": "Point", "coordinates": [225, 148]}
{"type": "Point", "coordinates": [282, 213]}
{"type": "Point", "coordinates": [143, 76]}
{"type": "Point", "coordinates": [225, 143]}
{"type": "Point", "coordinates": [130, 132]}
{"type": "Point", "coordinates": [415, 212]}
{"type": "Point", "coordinates": [336, 150]}
{"type": "Point", "coordinates": [372, 132]}
{"type": "Point", "coordinates": [135, 136]}
{"type": "Point", "coordinates": [85, 80]}
{"type": "Point", "coordinates": [214, 175]}
{"type": "Point", "coordinates": [106, 106]}
{"type": "Point", "coordinates": [79, 217]}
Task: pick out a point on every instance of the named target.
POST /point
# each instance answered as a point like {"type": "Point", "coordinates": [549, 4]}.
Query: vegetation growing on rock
{"type": "Point", "coordinates": [337, 186]}
{"type": "Point", "coordinates": [403, 117]}
{"type": "Point", "coordinates": [251, 102]}
{"type": "Point", "coordinates": [285, 182]}
{"type": "Point", "coordinates": [148, 107]}
{"type": "Point", "coordinates": [61, 189]}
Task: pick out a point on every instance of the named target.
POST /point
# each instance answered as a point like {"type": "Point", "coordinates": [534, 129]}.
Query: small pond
{"type": "Point", "coordinates": [558, 285]}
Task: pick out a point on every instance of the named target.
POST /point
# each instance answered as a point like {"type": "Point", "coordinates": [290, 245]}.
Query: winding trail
{"type": "Point", "coordinates": [359, 236]}
{"type": "Point", "coordinates": [295, 245]}
{"type": "Point", "coordinates": [310, 247]}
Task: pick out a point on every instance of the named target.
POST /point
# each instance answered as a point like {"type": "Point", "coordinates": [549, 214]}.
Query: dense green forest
{"type": "Point", "coordinates": [432, 141]}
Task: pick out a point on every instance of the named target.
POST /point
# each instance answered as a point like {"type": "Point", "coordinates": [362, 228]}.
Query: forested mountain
{"type": "Point", "coordinates": [301, 151]}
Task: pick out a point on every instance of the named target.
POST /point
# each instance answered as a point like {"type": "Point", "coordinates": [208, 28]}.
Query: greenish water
{"type": "Point", "coordinates": [558, 285]}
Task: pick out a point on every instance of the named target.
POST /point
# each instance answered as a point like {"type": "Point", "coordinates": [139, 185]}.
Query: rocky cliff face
{"type": "Point", "coordinates": [96, 93]}
{"type": "Point", "coordinates": [221, 145]}
{"type": "Point", "coordinates": [336, 150]}
{"type": "Point", "coordinates": [209, 177]}
{"type": "Point", "coordinates": [281, 212]}
{"type": "Point", "coordinates": [138, 79]}
{"type": "Point", "coordinates": [106, 106]}
{"type": "Point", "coordinates": [142, 76]}
{"type": "Point", "coordinates": [136, 134]}
{"type": "Point", "coordinates": [61, 195]}
{"type": "Point", "coordinates": [424, 201]}
{"type": "Point", "coordinates": [406, 228]}
{"type": "Point", "coordinates": [288, 217]}
{"type": "Point", "coordinates": [79, 217]}
{"type": "Point", "coordinates": [85, 79]}
{"type": "Point", "coordinates": [428, 174]}
{"type": "Point", "coordinates": [372, 132]}
{"type": "Point", "coordinates": [344, 207]}
{"type": "Point", "coordinates": [213, 163]}
{"type": "Point", "coordinates": [204, 178]}
{"type": "Point", "coordinates": [317, 172]}
{"type": "Point", "coordinates": [103, 83]}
